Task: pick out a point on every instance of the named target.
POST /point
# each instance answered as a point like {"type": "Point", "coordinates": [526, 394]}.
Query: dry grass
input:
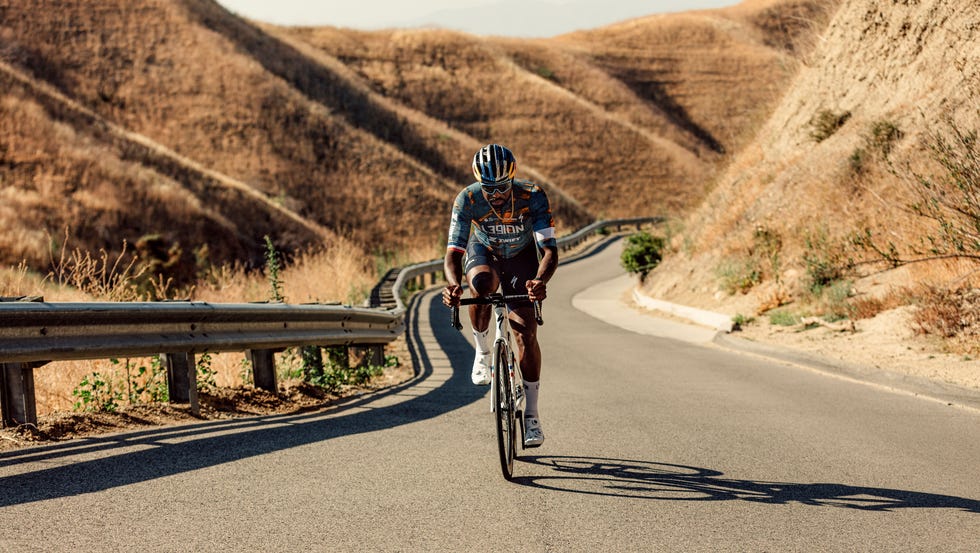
{"type": "Point", "coordinates": [336, 274]}
{"type": "Point", "coordinates": [951, 314]}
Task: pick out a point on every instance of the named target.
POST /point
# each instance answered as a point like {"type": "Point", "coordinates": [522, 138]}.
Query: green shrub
{"type": "Point", "coordinates": [642, 253]}
{"type": "Point", "coordinates": [825, 123]}
{"type": "Point", "coordinates": [333, 371]}
{"type": "Point", "coordinates": [739, 275]}
{"type": "Point", "coordinates": [783, 317]}
{"type": "Point", "coordinates": [97, 393]}
{"type": "Point", "coordinates": [273, 269]}
{"type": "Point", "coordinates": [825, 261]}
{"type": "Point", "coordinates": [546, 73]}
{"type": "Point", "coordinates": [767, 246]}
{"type": "Point", "coordinates": [740, 320]}
{"type": "Point", "coordinates": [951, 197]}
{"type": "Point", "coordinates": [882, 136]}
{"type": "Point", "coordinates": [835, 301]}
{"type": "Point", "coordinates": [879, 140]}
{"type": "Point", "coordinates": [858, 160]}
{"type": "Point", "coordinates": [206, 376]}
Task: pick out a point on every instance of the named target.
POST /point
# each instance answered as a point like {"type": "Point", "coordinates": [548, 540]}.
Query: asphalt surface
{"type": "Point", "coordinates": [654, 443]}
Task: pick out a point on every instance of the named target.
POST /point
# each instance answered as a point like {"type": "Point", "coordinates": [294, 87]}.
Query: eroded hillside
{"type": "Point", "coordinates": [832, 180]}
{"type": "Point", "coordinates": [182, 121]}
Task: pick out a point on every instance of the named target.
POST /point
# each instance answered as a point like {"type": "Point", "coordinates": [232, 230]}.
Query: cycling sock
{"type": "Point", "coordinates": [482, 341]}
{"type": "Point", "coordinates": [531, 393]}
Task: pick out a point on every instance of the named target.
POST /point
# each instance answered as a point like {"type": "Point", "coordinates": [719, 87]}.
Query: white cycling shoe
{"type": "Point", "coordinates": [481, 370]}
{"type": "Point", "coordinates": [533, 434]}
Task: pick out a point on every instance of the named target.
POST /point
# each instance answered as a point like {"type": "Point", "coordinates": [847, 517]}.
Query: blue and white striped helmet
{"type": "Point", "coordinates": [493, 164]}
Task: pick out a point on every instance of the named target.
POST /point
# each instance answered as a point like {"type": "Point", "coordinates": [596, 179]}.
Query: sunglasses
{"type": "Point", "coordinates": [496, 188]}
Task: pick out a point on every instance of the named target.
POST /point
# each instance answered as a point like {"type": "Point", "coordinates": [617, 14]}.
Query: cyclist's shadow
{"type": "Point", "coordinates": [663, 481]}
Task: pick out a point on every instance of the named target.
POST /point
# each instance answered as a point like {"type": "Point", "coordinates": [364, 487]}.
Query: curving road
{"type": "Point", "coordinates": [657, 440]}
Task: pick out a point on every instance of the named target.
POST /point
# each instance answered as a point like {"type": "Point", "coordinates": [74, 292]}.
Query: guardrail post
{"type": "Point", "coordinates": [181, 379]}
{"type": "Point", "coordinates": [373, 355]}
{"type": "Point", "coordinates": [263, 368]}
{"type": "Point", "coordinates": [17, 402]}
{"type": "Point", "coordinates": [17, 386]}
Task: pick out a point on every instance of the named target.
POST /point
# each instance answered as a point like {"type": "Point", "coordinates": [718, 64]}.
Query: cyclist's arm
{"type": "Point", "coordinates": [459, 233]}
{"type": "Point", "coordinates": [453, 267]}
{"type": "Point", "coordinates": [544, 235]}
{"type": "Point", "coordinates": [547, 264]}
{"type": "Point", "coordinates": [544, 238]}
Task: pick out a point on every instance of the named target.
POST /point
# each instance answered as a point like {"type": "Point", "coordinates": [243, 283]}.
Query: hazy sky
{"type": "Point", "coordinates": [527, 18]}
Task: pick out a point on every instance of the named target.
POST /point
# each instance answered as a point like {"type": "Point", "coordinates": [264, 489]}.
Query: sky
{"type": "Point", "coordinates": [522, 18]}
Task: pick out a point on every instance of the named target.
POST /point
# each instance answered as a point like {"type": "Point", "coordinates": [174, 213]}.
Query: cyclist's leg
{"type": "Point", "coordinates": [514, 273]}
{"type": "Point", "coordinates": [483, 279]}
{"type": "Point", "coordinates": [525, 329]}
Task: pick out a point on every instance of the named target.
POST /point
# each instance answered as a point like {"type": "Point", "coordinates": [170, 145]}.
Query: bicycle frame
{"type": "Point", "coordinates": [503, 337]}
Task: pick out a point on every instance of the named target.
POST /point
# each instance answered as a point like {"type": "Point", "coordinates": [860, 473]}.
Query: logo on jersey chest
{"type": "Point", "coordinates": [502, 228]}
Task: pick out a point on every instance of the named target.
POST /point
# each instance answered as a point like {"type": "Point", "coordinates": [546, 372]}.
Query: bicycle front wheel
{"type": "Point", "coordinates": [505, 414]}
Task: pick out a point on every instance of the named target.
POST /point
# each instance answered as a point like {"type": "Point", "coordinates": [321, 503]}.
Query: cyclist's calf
{"type": "Point", "coordinates": [526, 334]}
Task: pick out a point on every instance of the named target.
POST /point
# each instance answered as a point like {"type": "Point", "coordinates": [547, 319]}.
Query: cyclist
{"type": "Point", "coordinates": [504, 228]}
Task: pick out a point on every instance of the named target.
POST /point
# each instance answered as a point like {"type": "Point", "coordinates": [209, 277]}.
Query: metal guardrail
{"type": "Point", "coordinates": [34, 333]}
{"type": "Point", "coordinates": [417, 273]}
{"type": "Point", "coordinates": [31, 332]}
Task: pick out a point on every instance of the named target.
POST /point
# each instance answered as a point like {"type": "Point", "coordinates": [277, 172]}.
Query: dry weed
{"type": "Point", "coordinates": [949, 313]}
{"type": "Point", "coordinates": [777, 298]}
{"type": "Point", "coordinates": [867, 307]}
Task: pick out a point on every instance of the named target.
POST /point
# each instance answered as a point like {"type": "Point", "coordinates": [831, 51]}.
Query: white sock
{"type": "Point", "coordinates": [482, 341]}
{"type": "Point", "coordinates": [531, 393]}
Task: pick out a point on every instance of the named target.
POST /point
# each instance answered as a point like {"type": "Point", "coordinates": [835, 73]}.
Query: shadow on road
{"type": "Point", "coordinates": [651, 480]}
{"type": "Point", "coordinates": [96, 464]}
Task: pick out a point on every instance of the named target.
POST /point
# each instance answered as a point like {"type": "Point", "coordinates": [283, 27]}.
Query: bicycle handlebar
{"type": "Point", "coordinates": [495, 299]}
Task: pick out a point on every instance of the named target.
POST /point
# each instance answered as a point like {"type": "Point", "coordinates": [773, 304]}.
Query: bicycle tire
{"type": "Point", "coordinates": [504, 411]}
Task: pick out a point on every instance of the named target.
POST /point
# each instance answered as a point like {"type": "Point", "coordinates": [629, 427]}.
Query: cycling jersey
{"type": "Point", "coordinates": [505, 232]}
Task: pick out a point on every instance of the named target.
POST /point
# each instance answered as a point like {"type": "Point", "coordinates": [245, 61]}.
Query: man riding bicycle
{"type": "Point", "coordinates": [505, 229]}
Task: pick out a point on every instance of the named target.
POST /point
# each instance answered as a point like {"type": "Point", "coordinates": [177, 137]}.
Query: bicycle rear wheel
{"type": "Point", "coordinates": [505, 415]}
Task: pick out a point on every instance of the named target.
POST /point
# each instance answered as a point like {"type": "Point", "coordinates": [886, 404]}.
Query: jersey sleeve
{"type": "Point", "coordinates": [543, 221]}
{"type": "Point", "coordinates": [459, 223]}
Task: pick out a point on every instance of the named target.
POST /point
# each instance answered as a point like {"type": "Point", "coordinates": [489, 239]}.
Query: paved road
{"type": "Point", "coordinates": [653, 444]}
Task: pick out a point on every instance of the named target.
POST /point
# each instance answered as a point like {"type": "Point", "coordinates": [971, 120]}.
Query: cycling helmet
{"type": "Point", "coordinates": [494, 164]}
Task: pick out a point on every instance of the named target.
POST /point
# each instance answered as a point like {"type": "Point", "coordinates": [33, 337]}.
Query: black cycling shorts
{"type": "Point", "coordinates": [513, 272]}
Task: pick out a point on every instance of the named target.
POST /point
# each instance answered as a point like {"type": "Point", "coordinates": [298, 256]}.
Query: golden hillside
{"type": "Point", "coordinates": [125, 120]}
{"type": "Point", "coordinates": [834, 179]}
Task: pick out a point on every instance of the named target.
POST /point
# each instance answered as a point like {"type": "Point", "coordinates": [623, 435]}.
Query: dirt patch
{"type": "Point", "coordinates": [885, 342]}
{"type": "Point", "coordinates": [218, 403]}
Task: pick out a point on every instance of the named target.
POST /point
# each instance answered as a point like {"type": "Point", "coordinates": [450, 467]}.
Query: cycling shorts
{"type": "Point", "coordinates": [513, 272]}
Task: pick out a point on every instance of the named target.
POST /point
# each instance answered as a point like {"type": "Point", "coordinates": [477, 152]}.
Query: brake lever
{"type": "Point", "coordinates": [455, 318]}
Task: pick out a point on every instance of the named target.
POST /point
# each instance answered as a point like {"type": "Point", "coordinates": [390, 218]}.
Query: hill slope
{"type": "Point", "coordinates": [181, 120]}
{"type": "Point", "coordinates": [837, 165]}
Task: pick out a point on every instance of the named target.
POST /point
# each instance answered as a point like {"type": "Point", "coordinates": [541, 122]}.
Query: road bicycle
{"type": "Point", "coordinates": [506, 380]}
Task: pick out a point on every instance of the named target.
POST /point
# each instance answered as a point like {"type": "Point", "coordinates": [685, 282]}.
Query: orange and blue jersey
{"type": "Point", "coordinates": [506, 232]}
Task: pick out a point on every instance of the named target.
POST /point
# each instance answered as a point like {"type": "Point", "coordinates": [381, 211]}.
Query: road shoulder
{"type": "Point", "coordinates": [897, 367]}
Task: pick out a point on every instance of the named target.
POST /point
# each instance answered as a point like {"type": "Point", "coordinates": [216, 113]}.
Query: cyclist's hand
{"type": "Point", "coordinates": [537, 290]}
{"type": "Point", "coordinates": [451, 295]}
